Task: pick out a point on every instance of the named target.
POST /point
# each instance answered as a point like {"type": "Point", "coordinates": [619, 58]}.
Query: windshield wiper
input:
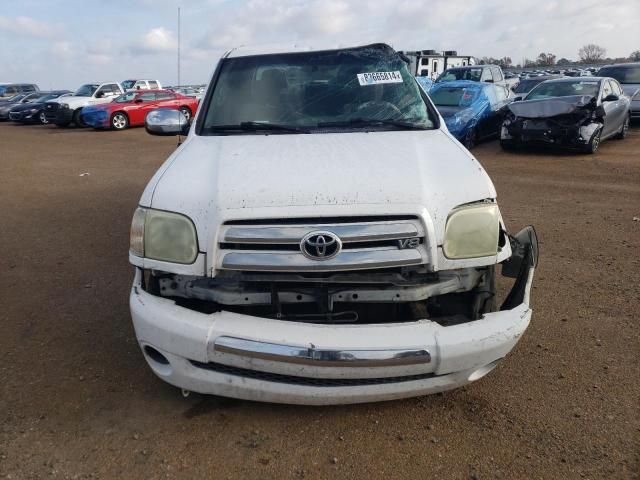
{"type": "Point", "coordinates": [254, 126]}
{"type": "Point", "coordinates": [364, 122]}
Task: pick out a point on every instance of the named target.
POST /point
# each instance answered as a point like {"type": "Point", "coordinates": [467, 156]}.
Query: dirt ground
{"type": "Point", "coordinates": [77, 399]}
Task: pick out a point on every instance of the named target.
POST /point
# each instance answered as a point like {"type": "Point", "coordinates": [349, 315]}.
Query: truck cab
{"type": "Point", "coordinates": [476, 73]}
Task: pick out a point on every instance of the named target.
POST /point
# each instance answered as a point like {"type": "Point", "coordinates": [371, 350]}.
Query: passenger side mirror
{"type": "Point", "coordinates": [611, 98]}
{"type": "Point", "coordinates": [166, 122]}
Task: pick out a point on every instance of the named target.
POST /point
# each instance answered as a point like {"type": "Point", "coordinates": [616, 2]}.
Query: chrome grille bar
{"type": "Point", "coordinates": [296, 262]}
{"type": "Point", "coordinates": [292, 234]}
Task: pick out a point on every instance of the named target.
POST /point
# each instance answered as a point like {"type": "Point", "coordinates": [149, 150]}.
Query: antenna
{"type": "Point", "coordinates": [179, 136]}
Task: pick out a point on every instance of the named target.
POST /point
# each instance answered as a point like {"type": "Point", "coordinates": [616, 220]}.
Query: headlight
{"type": "Point", "coordinates": [64, 105]}
{"type": "Point", "coordinates": [165, 236]}
{"type": "Point", "coordinates": [472, 231]}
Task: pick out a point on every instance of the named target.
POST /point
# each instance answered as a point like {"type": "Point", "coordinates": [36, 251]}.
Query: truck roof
{"type": "Point", "coordinates": [249, 50]}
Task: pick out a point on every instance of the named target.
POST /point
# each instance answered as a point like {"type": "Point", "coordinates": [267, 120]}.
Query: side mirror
{"type": "Point", "coordinates": [518, 98]}
{"type": "Point", "coordinates": [166, 122]}
{"type": "Point", "coordinates": [100, 94]}
{"type": "Point", "coordinates": [611, 98]}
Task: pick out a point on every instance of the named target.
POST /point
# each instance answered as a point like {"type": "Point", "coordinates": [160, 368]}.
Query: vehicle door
{"type": "Point", "coordinates": [104, 94]}
{"type": "Point", "coordinates": [145, 102]}
{"type": "Point", "coordinates": [622, 104]}
{"type": "Point", "coordinates": [487, 123]}
{"type": "Point", "coordinates": [611, 104]}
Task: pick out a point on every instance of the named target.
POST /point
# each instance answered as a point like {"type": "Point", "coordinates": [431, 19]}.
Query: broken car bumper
{"type": "Point", "coordinates": [269, 360]}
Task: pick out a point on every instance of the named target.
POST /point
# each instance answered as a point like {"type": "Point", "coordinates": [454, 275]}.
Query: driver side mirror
{"type": "Point", "coordinates": [166, 122]}
{"type": "Point", "coordinates": [100, 94]}
{"type": "Point", "coordinates": [611, 98]}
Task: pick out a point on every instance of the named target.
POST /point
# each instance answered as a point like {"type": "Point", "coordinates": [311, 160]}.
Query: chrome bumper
{"type": "Point", "coordinates": [320, 357]}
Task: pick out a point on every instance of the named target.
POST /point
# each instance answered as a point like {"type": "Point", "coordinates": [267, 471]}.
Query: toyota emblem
{"type": "Point", "coordinates": [320, 245]}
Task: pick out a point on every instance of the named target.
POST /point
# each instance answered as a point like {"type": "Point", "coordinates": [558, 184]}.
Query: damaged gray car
{"type": "Point", "coordinates": [570, 113]}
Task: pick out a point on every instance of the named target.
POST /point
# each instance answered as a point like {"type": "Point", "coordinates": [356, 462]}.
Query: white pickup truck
{"type": "Point", "coordinates": [321, 238]}
{"type": "Point", "coordinates": [66, 110]}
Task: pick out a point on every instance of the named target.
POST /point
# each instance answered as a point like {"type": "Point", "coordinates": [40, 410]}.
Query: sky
{"type": "Point", "coordinates": [64, 43]}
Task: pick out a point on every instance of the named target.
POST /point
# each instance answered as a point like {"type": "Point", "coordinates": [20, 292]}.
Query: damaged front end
{"type": "Point", "coordinates": [569, 122]}
{"type": "Point", "coordinates": [376, 296]}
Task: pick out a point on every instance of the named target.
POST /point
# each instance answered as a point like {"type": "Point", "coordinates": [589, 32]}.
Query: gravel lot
{"type": "Point", "coordinates": [78, 401]}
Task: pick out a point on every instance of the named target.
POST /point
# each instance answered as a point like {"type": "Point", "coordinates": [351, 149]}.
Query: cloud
{"type": "Point", "coordinates": [28, 27]}
{"type": "Point", "coordinates": [156, 40]}
{"type": "Point", "coordinates": [62, 50]}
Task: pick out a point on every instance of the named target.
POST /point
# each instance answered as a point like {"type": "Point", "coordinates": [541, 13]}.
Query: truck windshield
{"type": "Point", "coordinates": [127, 84]}
{"type": "Point", "coordinates": [86, 90]}
{"type": "Point", "coordinates": [473, 74]}
{"type": "Point", "coordinates": [360, 88]}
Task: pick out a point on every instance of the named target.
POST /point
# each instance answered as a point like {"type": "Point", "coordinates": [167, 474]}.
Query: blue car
{"type": "Point", "coordinates": [470, 109]}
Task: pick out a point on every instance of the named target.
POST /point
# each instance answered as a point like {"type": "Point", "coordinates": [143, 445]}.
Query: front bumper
{"type": "Point", "coordinates": [262, 359]}
{"type": "Point", "coordinates": [96, 118]}
{"type": "Point", "coordinates": [542, 133]}
{"type": "Point", "coordinates": [24, 116]}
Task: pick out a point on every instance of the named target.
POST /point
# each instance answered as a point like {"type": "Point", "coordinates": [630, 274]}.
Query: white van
{"type": "Point", "coordinates": [321, 238]}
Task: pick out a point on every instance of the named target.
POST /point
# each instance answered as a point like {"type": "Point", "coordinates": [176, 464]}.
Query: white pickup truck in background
{"type": "Point", "coordinates": [66, 110]}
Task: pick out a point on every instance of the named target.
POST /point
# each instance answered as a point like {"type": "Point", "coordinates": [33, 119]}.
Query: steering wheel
{"type": "Point", "coordinates": [376, 107]}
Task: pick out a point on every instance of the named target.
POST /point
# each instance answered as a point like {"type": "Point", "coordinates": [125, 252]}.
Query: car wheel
{"type": "Point", "coordinates": [624, 130]}
{"type": "Point", "coordinates": [470, 138]}
{"type": "Point", "coordinates": [119, 121]}
{"type": "Point", "coordinates": [77, 118]}
{"type": "Point", "coordinates": [43, 118]}
{"type": "Point", "coordinates": [594, 142]}
{"type": "Point", "coordinates": [186, 112]}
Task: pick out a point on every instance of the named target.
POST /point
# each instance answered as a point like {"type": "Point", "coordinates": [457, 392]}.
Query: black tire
{"type": "Point", "coordinates": [624, 130]}
{"type": "Point", "coordinates": [119, 121]}
{"type": "Point", "coordinates": [594, 142]}
{"type": "Point", "coordinates": [42, 118]}
{"type": "Point", "coordinates": [77, 118]}
{"type": "Point", "coordinates": [186, 111]}
{"type": "Point", "coordinates": [507, 146]}
{"type": "Point", "coordinates": [470, 139]}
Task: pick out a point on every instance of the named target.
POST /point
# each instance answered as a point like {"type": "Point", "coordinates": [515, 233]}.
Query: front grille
{"type": "Point", "coordinates": [51, 110]}
{"type": "Point", "coordinates": [306, 381]}
{"type": "Point", "coordinates": [367, 243]}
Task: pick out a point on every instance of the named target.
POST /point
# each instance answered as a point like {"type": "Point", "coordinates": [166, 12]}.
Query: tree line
{"type": "Point", "coordinates": [588, 54]}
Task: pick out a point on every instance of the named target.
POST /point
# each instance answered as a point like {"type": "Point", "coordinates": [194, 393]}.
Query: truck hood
{"type": "Point", "coordinates": [215, 178]}
{"type": "Point", "coordinates": [72, 101]}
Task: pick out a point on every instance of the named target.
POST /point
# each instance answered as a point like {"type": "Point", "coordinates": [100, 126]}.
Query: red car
{"type": "Point", "coordinates": [131, 108]}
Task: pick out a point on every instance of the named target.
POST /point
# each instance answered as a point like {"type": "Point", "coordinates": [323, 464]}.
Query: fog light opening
{"type": "Point", "coordinates": [482, 371]}
{"type": "Point", "coordinates": [155, 355]}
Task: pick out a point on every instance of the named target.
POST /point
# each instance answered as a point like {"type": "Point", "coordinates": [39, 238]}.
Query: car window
{"type": "Point", "coordinates": [617, 89]}
{"type": "Point", "coordinates": [126, 97]}
{"type": "Point", "coordinates": [153, 84]}
{"type": "Point", "coordinates": [147, 97]}
{"type": "Point", "coordinates": [445, 96]}
{"type": "Point", "coordinates": [28, 88]}
{"type": "Point", "coordinates": [497, 75]}
{"type": "Point", "coordinates": [551, 88]}
{"type": "Point", "coordinates": [486, 75]}
{"type": "Point", "coordinates": [606, 89]}
{"type": "Point", "coordinates": [165, 96]}
{"type": "Point", "coordinates": [623, 74]}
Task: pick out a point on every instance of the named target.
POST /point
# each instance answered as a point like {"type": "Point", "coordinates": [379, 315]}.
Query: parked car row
{"type": "Point", "coordinates": [546, 110]}
{"type": "Point", "coordinates": [99, 105]}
